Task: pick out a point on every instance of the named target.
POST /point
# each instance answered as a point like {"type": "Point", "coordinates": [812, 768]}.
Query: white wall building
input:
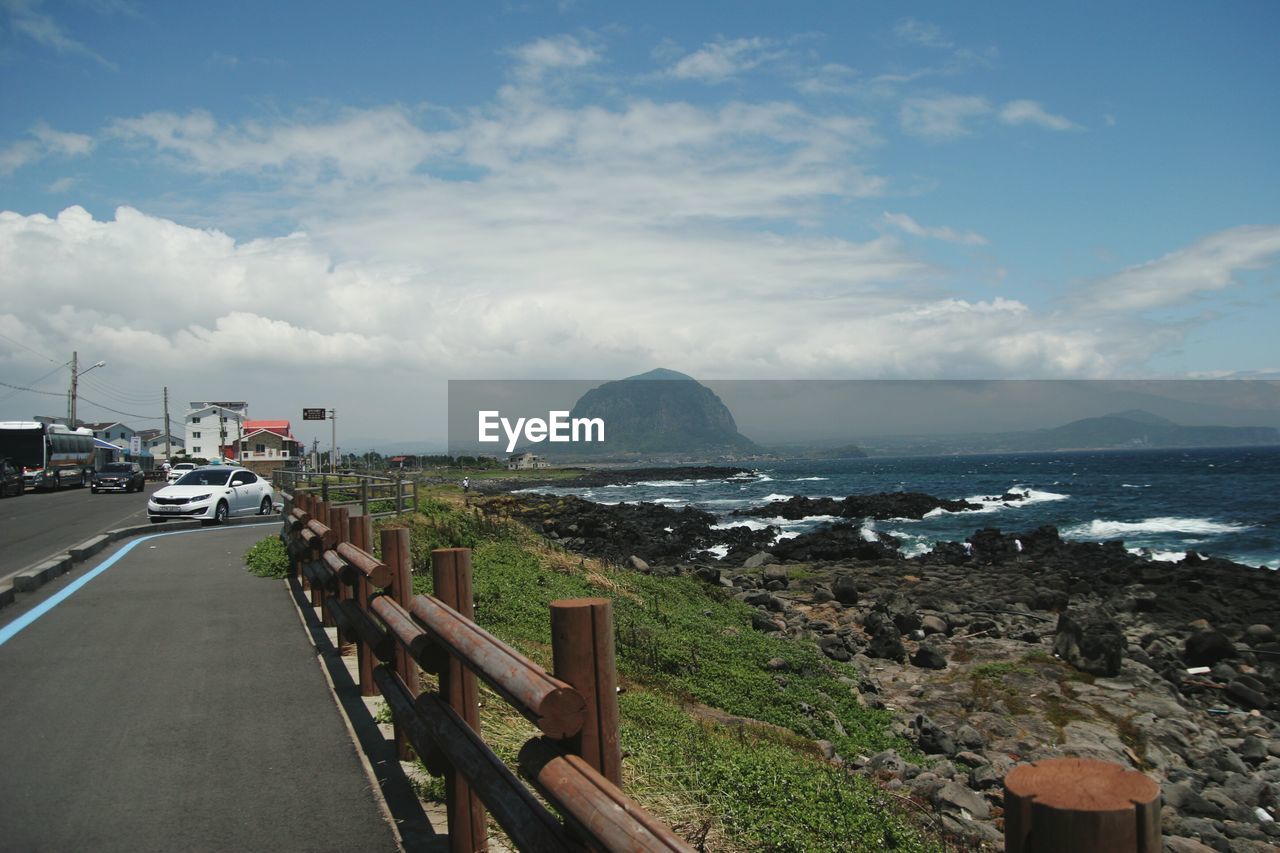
{"type": "Point", "coordinates": [214, 426]}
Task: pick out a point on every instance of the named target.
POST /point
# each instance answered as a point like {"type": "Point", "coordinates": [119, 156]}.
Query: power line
{"type": "Point", "coordinates": [29, 349]}
{"type": "Point", "coordinates": [35, 390]}
{"type": "Point", "coordinates": [32, 382]}
{"type": "Point", "coordinates": [117, 411]}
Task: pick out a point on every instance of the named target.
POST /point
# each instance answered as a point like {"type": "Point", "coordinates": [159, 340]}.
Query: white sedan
{"type": "Point", "coordinates": [213, 494]}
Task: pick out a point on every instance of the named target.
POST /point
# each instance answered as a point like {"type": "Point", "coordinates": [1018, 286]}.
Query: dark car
{"type": "Point", "coordinates": [10, 479]}
{"type": "Point", "coordinates": [118, 477]}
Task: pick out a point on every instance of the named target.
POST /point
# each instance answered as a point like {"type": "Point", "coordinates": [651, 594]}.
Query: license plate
{"type": "Point", "coordinates": [169, 509]}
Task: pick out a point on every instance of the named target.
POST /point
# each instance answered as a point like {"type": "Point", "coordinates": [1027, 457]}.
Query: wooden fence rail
{"type": "Point", "coordinates": [351, 490]}
{"type": "Point", "coordinates": [575, 764]}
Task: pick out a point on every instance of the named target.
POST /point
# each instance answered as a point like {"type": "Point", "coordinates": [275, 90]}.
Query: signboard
{"type": "Point", "coordinates": [313, 414]}
{"type": "Point", "coordinates": [135, 446]}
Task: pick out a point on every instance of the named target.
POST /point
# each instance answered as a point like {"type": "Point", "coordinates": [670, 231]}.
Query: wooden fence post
{"type": "Point", "coordinates": [451, 583]}
{"type": "Point", "coordinates": [415, 496]}
{"type": "Point", "coordinates": [395, 553]}
{"type": "Point", "coordinates": [583, 655]}
{"type": "Point", "coordinates": [339, 521]}
{"type": "Point", "coordinates": [364, 497]}
{"type": "Point", "coordinates": [1062, 805]}
{"type": "Point", "coordinates": [399, 493]}
{"type": "Point", "coordinates": [362, 538]}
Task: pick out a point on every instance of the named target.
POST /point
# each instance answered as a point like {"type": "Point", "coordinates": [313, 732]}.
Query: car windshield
{"type": "Point", "coordinates": [117, 469]}
{"type": "Point", "coordinates": [204, 478]}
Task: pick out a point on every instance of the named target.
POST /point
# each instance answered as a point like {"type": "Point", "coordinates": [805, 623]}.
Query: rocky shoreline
{"type": "Point", "coordinates": [1001, 649]}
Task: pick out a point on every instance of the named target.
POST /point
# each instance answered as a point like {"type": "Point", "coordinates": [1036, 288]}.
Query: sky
{"type": "Point", "coordinates": [346, 205]}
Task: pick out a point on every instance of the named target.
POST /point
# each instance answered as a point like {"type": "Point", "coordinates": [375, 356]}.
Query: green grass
{"type": "Point", "coordinates": [268, 558]}
{"type": "Point", "coordinates": [682, 646]}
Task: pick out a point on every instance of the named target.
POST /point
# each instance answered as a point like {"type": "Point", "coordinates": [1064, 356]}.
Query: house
{"type": "Point", "coordinates": [214, 427]}
{"type": "Point", "coordinates": [113, 432]}
{"type": "Point", "coordinates": [266, 445]}
{"type": "Point", "coordinates": [160, 446]}
{"type": "Point", "coordinates": [522, 461]}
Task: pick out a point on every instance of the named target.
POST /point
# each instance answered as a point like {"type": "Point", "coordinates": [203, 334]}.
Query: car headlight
{"type": "Point", "coordinates": [199, 498]}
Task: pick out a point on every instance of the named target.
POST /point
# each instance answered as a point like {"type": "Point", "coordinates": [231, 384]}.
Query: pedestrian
{"type": "Point", "coordinates": [466, 484]}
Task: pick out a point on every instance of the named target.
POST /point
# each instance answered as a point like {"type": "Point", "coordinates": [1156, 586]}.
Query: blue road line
{"type": "Point", "coordinates": [8, 632]}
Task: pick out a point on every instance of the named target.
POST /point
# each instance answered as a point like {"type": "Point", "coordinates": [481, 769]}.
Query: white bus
{"type": "Point", "coordinates": [51, 456]}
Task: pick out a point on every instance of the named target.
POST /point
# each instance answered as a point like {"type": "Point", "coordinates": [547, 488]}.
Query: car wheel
{"type": "Point", "coordinates": [221, 514]}
{"type": "Point", "coordinates": [266, 508]}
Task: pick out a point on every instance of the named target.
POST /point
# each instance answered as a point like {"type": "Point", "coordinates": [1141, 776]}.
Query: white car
{"type": "Point", "coordinates": [178, 470]}
{"type": "Point", "coordinates": [213, 494]}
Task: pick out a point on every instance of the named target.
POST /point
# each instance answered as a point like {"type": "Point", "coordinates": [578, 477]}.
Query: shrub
{"type": "Point", "coordinates": [268, 558]}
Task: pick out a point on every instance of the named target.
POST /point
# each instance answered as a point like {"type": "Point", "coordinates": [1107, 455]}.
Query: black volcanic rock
{"type": "Point", "coordinates": [836, 542]}
{"type": "Point", "coordinates": [883, 505]}
{"type": "Point", "coordinates": [664, 412]}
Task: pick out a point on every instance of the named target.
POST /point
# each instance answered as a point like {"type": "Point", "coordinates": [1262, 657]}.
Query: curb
{"type": "Point", "coordinates": [35, 576]}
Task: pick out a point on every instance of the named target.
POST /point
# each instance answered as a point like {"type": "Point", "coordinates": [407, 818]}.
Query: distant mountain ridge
{"type": "Point", "coordinates": [1133, 429]}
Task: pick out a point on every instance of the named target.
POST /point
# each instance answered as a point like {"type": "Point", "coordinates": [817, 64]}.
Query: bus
{"type": "Point", "coordinates": [51, 456]}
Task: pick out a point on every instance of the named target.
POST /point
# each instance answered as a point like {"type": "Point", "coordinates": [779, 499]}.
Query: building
{"type": "Point", "coordinates": [154, 442]}
{"type": "Point", "coordinates": [214, 427]}
{"type": "Point", "coordinates": [268, 440]}
{"type": "Point", "coordinates": [522, 461]}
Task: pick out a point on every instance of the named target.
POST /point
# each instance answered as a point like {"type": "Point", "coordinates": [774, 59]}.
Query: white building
{"type": "Point", "coordinates": [522, 461]}
{"type": "Point", "coordinates": [214, 427]}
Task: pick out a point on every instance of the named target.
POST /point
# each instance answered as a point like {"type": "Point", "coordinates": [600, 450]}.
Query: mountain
{"type": "Point", "coordinates": [1132, 429]}
{"type": "Point", "coordinates": [662, 412]}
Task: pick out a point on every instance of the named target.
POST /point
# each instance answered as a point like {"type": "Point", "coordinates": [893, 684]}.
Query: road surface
{"type": "Point", "coordinates": [173, 702]}
{"type": "Point", "coordinates": [39, 525]}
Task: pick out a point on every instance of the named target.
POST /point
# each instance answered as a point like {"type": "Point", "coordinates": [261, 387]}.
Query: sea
{"type": "Point", "coordinates": [1221, 502]}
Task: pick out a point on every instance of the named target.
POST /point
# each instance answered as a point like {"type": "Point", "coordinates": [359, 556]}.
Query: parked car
{"type": "Point", "coordinates": [118, 477]}
{"type": "Point", "coordinates": [213, 493]}
{"type": "Point", "coordinates": [10, 479]}
{"type": "Point", "coordinates": [178, 470]}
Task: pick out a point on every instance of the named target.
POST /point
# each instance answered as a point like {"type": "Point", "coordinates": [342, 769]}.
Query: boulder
{"type": "Point", "coordinates": [929, 657]}
{"type": "Point", "coordinates": [845, 590]}
{"type": "Point", "coordinates": [1091, 643]}
{"type": "Point", "coordinates": [758, 559]}
{"type": "Point", "coordinates": [638, 564]}
{"type": "Point", "coordinates": [1206, 647]}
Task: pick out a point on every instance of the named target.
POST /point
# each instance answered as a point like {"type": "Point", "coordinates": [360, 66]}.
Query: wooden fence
{"type": "Point", "coordinates": [575, 764]}
{"type": "Point", "coordinates": [374, 495]}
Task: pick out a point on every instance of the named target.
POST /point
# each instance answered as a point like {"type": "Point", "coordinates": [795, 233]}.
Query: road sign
{"type": "Point", "coordinates": [135, 446]}
{"type": "Point", "coordinates": [313, 414]}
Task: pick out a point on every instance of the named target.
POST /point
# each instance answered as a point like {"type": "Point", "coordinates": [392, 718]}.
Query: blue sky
{"type": "Point", "coordinates": [287, 202]}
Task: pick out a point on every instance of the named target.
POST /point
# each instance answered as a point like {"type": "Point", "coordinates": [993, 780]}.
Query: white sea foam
{"type": "Point", "coordinates": [1133, 486]}
{"type": "Point", "coordinates": [786, 534]}
{"type": "Point", "coordinates": [749, 523]}
{"type": "Point", "coordinates": [764, 478]}
{"type": "Point", "coordinates": [807, 479]}
{"type": "Point", "coordinates": [668, 501]}
{"type": "Point", "coordinates": [1101, 529]}
{"type": "Point", "coordinates": [1159, 556]}
{"type": "Point", "coordinates": [868, 534]}
{"type": "Point", "coordinates": [663, 484]}
{"type": "Point", "coordinates": [720, 551]}
{"type": "Point", "coordinates": [776, 497]}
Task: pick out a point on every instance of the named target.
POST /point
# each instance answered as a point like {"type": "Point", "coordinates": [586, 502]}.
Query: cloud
{"type": "Point", "coordinates": [1029, 112]}
{"type": "Point", "coordinates": [46, 142]}
{"type": "Point", "coordinates": [1208, 265]}
{"type": "Point", "coordinates": [26, 19]}
{"type": "Point", "coordinates": [356, 144]}
{"type": "Point", "coordinates": [719, 61]}
{"type": "Point", "coordinates": [903, 222]}
{"type": "Point", "coordinates": [922, 33]}
{"type": "Point", "coordinates": [942, 116]}
{"type": "Point", "coordinates": [538, 57]}
{"type": "Point", "coordinates": [829, 79]}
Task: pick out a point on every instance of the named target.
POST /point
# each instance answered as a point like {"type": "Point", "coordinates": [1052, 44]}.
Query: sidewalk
{"type": "Point", "coordinates": [175, 703]}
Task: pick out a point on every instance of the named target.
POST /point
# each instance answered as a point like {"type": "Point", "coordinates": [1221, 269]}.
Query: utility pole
{"type": "Point", "coordinates": [333, 454]}
{"type": "Point", "coordinates": [71, 398]}
{"type": "Point", "coordinates": [166, 423]}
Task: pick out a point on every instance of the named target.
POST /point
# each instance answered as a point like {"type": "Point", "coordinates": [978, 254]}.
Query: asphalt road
{"type": "Point", "coordinates": [173, 702]}
{"type": "Point", "coordinates": [38, 525]}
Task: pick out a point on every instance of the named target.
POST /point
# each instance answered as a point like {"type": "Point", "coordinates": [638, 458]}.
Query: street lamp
{"type": "Point", "coordinates": [75, 377]}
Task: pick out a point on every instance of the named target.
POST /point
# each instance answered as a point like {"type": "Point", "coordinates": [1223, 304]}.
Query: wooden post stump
{"type": "Point", "coordinates": [583, 655]}
{"type": "Point", "coordinates": [1063, 805]}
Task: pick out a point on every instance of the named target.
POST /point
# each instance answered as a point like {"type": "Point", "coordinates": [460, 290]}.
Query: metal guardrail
{"type": "Point", "coordinates": [575, 764]}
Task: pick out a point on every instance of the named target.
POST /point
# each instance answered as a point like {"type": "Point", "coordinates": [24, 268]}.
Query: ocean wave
{"type": "Point", "coordinates": [785, 534]}
{"type": "Point", "coordinates": [749, 523]}
{"type": "Point", "coordinates": [807, 479]}
{"type": "Point", "coordinates": [665, 484]}
{"type": "Point", "coordinates": [1103, 529]}
{"type": "Point", "coordinates": [720, 551]}
{"type": "Point", "coordinates": [1133, 486]}
{"type": "Point", "coordinates": [668, 501]}
{"type": "Point", "coordinates": [776, 497]}
{"type": "Point", "coordinates": [1158, 556]}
